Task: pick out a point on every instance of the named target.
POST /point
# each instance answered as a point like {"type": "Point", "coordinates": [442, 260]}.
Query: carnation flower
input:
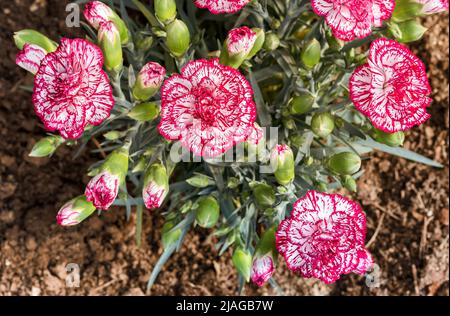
{"type": "Point", "coordinates": [324, 237]}
{"type": "Point", "coordinates": [96, 13]}
{"type": "Point", "coordinates": [209, 108]}
{"type": "Point", "coordinates": [156, 186]}
{"type": "Point", "coordinates": [262, 270]}
{"type": "Point", "coordinates": [240, 41]}
{"type": "Point", "coordinates": [30, 57]}
{"type": "Point", "coordinates": [75, 211]}
{"type": "Point", "coordinates": [221, 6]}
{"type": "Point", "coordinates": [71, 90]}
{"type": "Point", "coordinates": [433, 6]}
{"type": "Point", "coordinates": [392, 88]}
{"type": "Point", "coordinates": [350, 19]}
{"type": "Point", "coordinates": [102, 190]}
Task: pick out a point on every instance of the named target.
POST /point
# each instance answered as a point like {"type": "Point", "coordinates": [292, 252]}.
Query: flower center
{"type": "Point", "coordinates": [205, 106]}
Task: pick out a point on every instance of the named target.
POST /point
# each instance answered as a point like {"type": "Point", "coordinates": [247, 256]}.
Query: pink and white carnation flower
{"type": "Point", "coordinates": [392, 88]}
{"type": "Point", "coordinates": [102, 190]}
{"type": "Point", "coordinates": [208, 108]}
{"type": "Point", "coordinates": [240, 41]}
{"type": "Point", "coordinates": [68, 215]}
{"type": "Point", "coordinates": [71, 90]}
{"type": "Point", "coordinates": [154, 194]}
{"type": "Point", "coordinates": [152, 75]}
{"type": "Point", "coordinates": [221, 6]}
{"type": "Point", "coordinates": [350, 19]}
{"type": "Point", "coordinates": [30, 57]}
{"type": "Point", "coordinates": [433, 6]}
{"type": "Point", "coordinates": [96, 13]}
{"type": "Point", "coordinates": [262, 270]}
{"type": "Point", "coordinates": [324, 237]}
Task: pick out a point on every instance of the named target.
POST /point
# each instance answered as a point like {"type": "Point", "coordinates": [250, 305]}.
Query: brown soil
{"type": "Point", "coordinates": [406, 203]}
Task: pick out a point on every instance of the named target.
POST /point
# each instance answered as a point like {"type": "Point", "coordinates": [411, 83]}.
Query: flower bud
{"type": "Point", "coordinates": [117, 164]}
{"type": "Point", "coordinates": [311, 53]}
{"type": "Point", "coordinates": [109, 40]}
{"type": "Point", "coordinates": [112, 135]}
{"type": "Point", "coordinates": [262, 269]}
{"type": "Point", "coordinates": [407, 31]}
{"type": "Point", "coordinates": [144, 112]}
{"type": "Point", "coordinates": [144, 43]}
{"type": "Point", "coordinates": [30, 57]}
{"type": "Point", "coordinates": [393, 140]}
{"type": "Point", "coordinates": [208, 212]}
{"type": "Point", "coordinates": [322, 124]}
{"type": "Point", "coordinates": [238, 45]}
{"type": "Point", "coordinates": [264, 195]}
{"type": "Point", "coordinates": [259, 42]}
{"type": "Point", "coordinates": [75, 211]}
{"type": "Point", "coordinates": [178, 38]}
{"type": "Point", "coordinates": [148, 81]}
{"type": "Point", "coordinates": [406, 10]}
{"type": "Point", "coordinates": [344, 163]}
{"type": "Point", "coordinates": [34, 37]}
{"type": "Point", "coordinates": [46, 146]}
{"type": "Point", "coordinates": [349, 183]}
{"type": "Point", "coordinates": [271, 42]}
{"type": "Point", "coordinates": [156, 186]}
{"type": "Point", "coordinates": [96, 13]}
{"type": "Point", "coordinates": [169, 236]}
{"type": "Point", "coordinates": [283, 164]}
{"type": "Point", "coordinates": [301, 104]}
{"type": "Point", "coordinates": [165, 10]}
{"type": "Point", "coordinates": [102, 190]}
{"type": "Point", "coordinates": [289, 123]}
{"type": "Point", "coordinates": [242, 260]}
{"type": "Point", "coordinates": [199, 181]}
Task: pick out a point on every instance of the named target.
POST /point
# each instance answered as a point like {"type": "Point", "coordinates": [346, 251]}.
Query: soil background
{"type": "Point", "coordinates": [406, 203]}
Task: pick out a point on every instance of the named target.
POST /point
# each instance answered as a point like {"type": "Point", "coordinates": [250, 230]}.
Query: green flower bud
{"type": "Point", "coordinates": [140, 165]}
{"type": "Point", "coordinates": [242, 260]}
{"type": "Point", "coordinates": [311, 54]}
{"type": "Point", "coordinates": [393, 140]}
{"type": "Point", "coordinates": [46, 146]}
{"type": "Point", "coordinates": [199, 181]}
{"type": "Point", "coordinates": [301, 104]}
{"type": "Point", "coordinates": [296, 140]}
{"type": "Point", "coordinates": [165, 10]}
{"type": "Point", "coordinates": [144, 112]}
{"type": "Point", "coordinates": [264, 195]}
{"type": "Point", "coordinates": [408, 31]}
{"type": "Point", "coordinates": [344, 163]}
{"type": "Point", "coordinates": [144, 43]}
{"type": "Point", "coordinates": [349, 183]}
{"type": "Point", "coordinates": [112, 135]}
{"type": "Point", "coordinates": [282, 161]}
{"type": "Point", "coordinates": [233, 183]}
{"type": "Point", "coordinates": [289, 123]}
{"type": "Point", "coordinates": [169, 236]}
{"type": "Point", "coordinates": [109, 40]}
{"type": "Point", "coordinates": [34, 37]}
{"type": "Point", "coordinates": [259, 42]}
{"type": "Point", "coordinates": [271, 42]}
{"type": "Point", "coordinates": [117, 163]}
{"type": "Point", "coordinates": [75, 211]}
{"type": "Point", "coordinates": [178, 38]}
{"type": "Point", "coordinates": [322, 124]}
{"type": "Point", "coordinates": [267, 242]}
{"type": "Point", "coordinates": [208, 212]}
{"type": "Point", "coordinates": [406, 10]}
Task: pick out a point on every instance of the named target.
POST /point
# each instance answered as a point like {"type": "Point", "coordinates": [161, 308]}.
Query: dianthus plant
{"type": "Point", "coordinates": [240, 117]}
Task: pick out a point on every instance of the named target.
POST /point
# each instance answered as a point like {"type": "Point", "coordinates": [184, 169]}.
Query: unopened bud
{"type": "Point", "coordinates": [408, 31]}
{"type": "Point", "coordinates": [208, 212]}
{"type": "Point", "coordinates": [178, 38]}
{"type": "Point", "coordinates": [301, 104]}
{"type": "Point", "coordinates": [148, 81]}
{"type": "Point", "coordinates": [109, 40]}
{"type": "Point", "coordinates": [283, 164]}
{"type": "Point", "coordinates": [102, 190]}
{"type": "Point", "coordinates": [349, 183]}
{"type": "Point", "coordinates": [46, 146]}
{"type": "Point", "coordinates": [311, 54]}
{"type": "Point", "coordinates": [156, 186]}
{"type": "Point", "coordinates": [262, 269]}
{"type": "Point", "coordinates": [34, 37]}
{"type": "Point", "coordinates": [264, 195]}
{"type": "Point", "coordinates": [344, 163]}
{"type": "Point", "coordinates": [259, 42]}
{"type": "Point", "coordinates": [272, 42]}
{"type": "Point", "coordinates": [199, 181]}
{"type": "Point", "coordinates": [238, 45]}
{"type": "Point", "coordinates": [322, 124]}
{"type": "Point", "coordinates": [144, 112]}
{"type": "Point", "coordinates": [165, 10]}
{"type": "Point", "coordinates": [75, 211]}
{"type": "Point", "coordinates": [242, 260]}
{"type": "Point", "coordinates": [393, 140]}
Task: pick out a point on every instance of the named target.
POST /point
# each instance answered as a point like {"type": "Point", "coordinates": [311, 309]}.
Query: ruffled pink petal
{"type": "Point", "coordinates": [221, 6]}
{"type": "Point", "coordinates": [209, 108]}
{"type": "Point", "coordinates": [102, 190]}
{"type": "Point", "coordinates": [323, 237]}
{"type": "Point", "coordinates": [240, 41]}
{"type": "Point", "coordinates": [262, 270]}
{"type": "Point", "coordinates": [30, 57]}
{"type": "Point", "coordinates": [71, 90]}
